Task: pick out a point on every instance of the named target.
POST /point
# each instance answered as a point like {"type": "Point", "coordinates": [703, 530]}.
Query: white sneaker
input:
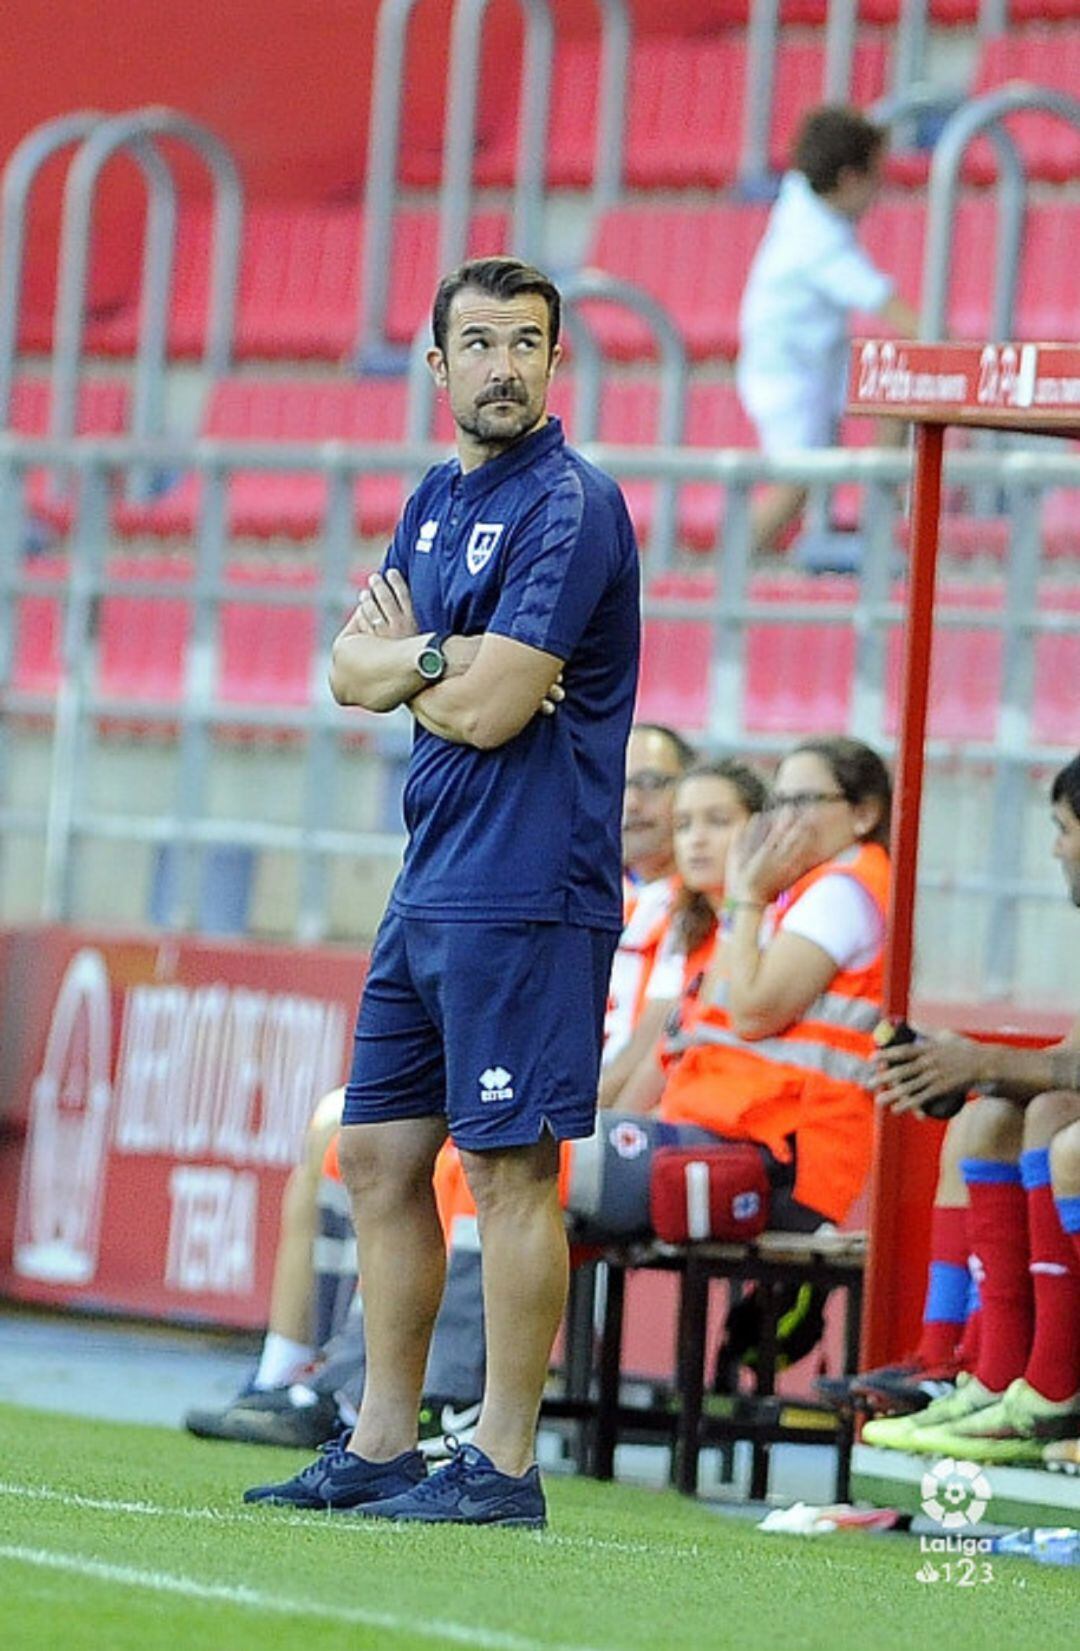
{"type": "Point", "coordinates": [445, 1433]}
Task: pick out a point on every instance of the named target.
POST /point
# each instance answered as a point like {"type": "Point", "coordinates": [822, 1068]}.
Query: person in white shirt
{"type": "Point", "coordinates": [808, 276]}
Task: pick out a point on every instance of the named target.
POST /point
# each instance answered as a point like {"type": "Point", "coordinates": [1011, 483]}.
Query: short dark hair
{"type": "Point", "coordinates": [834, 137]}
{"type": "Point", "coordinates": [685, 754]}
{"type": "Point", "coordinates": [499, 278]}
{"type": "Point", "coordinates": [859, 773]}
{"type": "Point", "coordinates": [1065, 786]}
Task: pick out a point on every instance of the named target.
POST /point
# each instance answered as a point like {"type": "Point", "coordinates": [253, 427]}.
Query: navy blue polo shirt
{"type": "Point", "coordinates": [535, 545]}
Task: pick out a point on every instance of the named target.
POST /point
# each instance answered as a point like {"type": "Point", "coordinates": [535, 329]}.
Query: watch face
{"type": "Point", "coordinates": [431, 663]}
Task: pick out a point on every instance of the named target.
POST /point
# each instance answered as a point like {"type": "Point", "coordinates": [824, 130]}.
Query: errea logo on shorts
{"type": "Point", "coordinates": [496, 1084]}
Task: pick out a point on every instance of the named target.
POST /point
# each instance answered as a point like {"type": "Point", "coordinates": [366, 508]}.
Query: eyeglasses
{"type": "Point", "coordinates": [800, 800]}
{"type": "Point", "coordinates": [650, 779]}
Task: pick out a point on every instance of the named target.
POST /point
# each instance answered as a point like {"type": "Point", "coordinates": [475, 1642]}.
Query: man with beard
{"type": "Point", "coordinates": [510, 591]}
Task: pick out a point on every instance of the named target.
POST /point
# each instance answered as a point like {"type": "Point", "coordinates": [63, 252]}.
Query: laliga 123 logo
{"type": "Point", "coordinates": [955, 1494]}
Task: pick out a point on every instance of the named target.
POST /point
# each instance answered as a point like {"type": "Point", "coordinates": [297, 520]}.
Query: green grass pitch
{"type": "Point", "coordinates": [123, 1538]}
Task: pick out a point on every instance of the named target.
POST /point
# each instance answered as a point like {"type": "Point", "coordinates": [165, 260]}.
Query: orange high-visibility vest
{"type": "Point", "coordinates": [810, 1082]}
{"type": "Point", "coordinates": [646, 920]}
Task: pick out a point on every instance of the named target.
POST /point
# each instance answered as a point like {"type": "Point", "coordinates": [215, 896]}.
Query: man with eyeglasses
{"type": "Point", "coordinates": [656, 759]}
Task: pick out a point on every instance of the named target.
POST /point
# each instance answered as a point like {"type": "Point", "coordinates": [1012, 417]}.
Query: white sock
{"type": "Point", "coordinates": [281, 1360]}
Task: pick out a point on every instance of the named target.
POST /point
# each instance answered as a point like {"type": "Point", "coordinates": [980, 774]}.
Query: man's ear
{"type": "Point", "coordinates": [556, 357]}
{"type": "Point", "coordinates": [437, 366]}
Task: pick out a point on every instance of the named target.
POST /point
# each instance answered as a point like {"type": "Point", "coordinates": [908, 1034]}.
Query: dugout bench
{"type": "Point", "coordinates": [592, 1375]}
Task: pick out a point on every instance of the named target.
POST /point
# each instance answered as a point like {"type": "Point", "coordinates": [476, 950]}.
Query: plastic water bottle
{"type": "Point", "coordinates": [1049, 1546]}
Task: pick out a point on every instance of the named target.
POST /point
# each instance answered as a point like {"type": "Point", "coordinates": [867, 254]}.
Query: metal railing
{"type": "Point", "coordinates": [982, 116]}
{"type": "Point", "coordinates": [99, 139]}
{"type": "Point", "coordinates": [456, 183]}
{"type": "Point", "coordinates": [76, 710]}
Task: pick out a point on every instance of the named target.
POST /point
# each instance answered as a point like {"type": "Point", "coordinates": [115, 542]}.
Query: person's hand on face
{"type": "Point", "coordinates": [768, 854]}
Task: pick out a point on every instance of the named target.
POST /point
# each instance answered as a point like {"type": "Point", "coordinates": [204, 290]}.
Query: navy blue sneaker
{"type": "Point", "coordinates": [339, 1479]}
{"type": "Point", "coordinates": [469, 1490]}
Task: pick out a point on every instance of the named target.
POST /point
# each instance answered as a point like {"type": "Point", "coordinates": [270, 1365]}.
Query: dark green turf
{"type": "Point", "coordinates": [620, 1569]}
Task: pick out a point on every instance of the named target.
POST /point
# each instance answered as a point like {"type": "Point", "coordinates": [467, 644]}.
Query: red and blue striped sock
{"type": "Point", "coordinates": [1053, 1368]}
{"type": "Point", "coordinates": [947, 1287]}
{"type": "Point", "coordinates": [999, 1242]}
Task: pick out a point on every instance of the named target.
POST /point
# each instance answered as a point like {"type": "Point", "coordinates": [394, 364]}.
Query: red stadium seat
{"type": "Point", "coordinates": [673, 687]}
{"type": "Point", "coordinates": [287, 504]}
{"type": "Point", "coordinates": [102, 407]}
{"type": "Point", "coordinates": [684, 109]}
{"type": "Point", "coordinates": [142, 640]}
{"type": "Point", "coordinates": [1057, 670]}
{"type": "Point", "coordinates": [714, 420]}
{"type": "Point", "coordinates": [268, 651]}
{"type": "Point", "coordinates": [265, 650]}
{"type": "Point", "coordinates": [894, 235]}
{"type": "Point", "coordinates": [300, 282]}
{"type": "Point", "coordinates": [102, 410]}
{"type": "Point", "coordinates": [629, 414]}
{"type": "Point", "coordinates": [1044, 57]}
{"type": "Point", "coordinates": [36, 665]}
{"type": "Point", "coordinates": [694, 261]}
{"type": "Point", "coordinates": [799, 676]}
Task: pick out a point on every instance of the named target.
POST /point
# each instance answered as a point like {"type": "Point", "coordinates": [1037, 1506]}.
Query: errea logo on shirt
{"type": "Point", "coordinates": [483, 540]}
{"type": "Point", "coordinates": [496, 1084]}
{"type": "Point", "coordinates": [426, 537]}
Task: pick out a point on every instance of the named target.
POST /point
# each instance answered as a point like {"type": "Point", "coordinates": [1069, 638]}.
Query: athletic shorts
{"type": "Point", "coordinates": [806, 418]}
{"type": "Point", "coordinates": [497, 1027]}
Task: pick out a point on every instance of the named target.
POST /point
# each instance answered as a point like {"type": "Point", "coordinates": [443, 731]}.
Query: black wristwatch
{"type": "Point", "coordinates": [431, 662]}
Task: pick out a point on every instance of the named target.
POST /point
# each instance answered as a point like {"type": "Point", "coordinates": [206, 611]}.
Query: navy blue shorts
{"type": "Point", "coordinates": [497, 1027]}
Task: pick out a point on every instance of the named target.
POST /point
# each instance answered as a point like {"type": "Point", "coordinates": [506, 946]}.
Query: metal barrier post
{"type": "Point", "coordinates": [909, 48]}
{"type": "Point", "coordinates": [755, 172]}
{"type": "Point", "coordinates": [384, 132]}
{"type": "Point", "coordinates": [455, 204]}
{"type": "Point", "coordinates": [20, 174]}
{"type": "Point", "coordinates": [982, 115]}
{"type": "Point", "coordinates": [615, 42]}
{"type": "Point", "coordinates": [70, 726]}
{"type": "Point", "coordinates": [1013, 737]}
{"type": "Point", "coordinates": [594, 286]}
{"type": "Point", "coordinates": [135, 133]}
{"type": "Point", "coordinates": [840, 24]}
{"type": "Point", "coordinates": [200, 680]}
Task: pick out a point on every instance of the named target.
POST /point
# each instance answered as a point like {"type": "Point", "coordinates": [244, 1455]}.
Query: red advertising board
{"type": "Point", "coordinates": [153, 1097]}
{"type": "Point", "coordinates": [1035, 387]}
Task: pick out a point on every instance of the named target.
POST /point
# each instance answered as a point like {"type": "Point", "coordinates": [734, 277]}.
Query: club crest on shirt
{"type": "Point", "coordinates": [483, 540]}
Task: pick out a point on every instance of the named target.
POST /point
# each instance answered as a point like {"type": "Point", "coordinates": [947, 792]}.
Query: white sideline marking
{"type": "Point", "coordinates": [360, 1527]}
{"type": "Point", "coordinates": [164, 1582]}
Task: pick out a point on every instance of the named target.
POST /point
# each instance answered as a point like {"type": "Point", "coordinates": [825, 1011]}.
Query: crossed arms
{"type": "Point", "coordinates": [492, 689]}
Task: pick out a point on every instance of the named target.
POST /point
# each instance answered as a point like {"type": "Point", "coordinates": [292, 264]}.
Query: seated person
{"type": "Point", "coordinates": [711, 801]}
{"type": "Point", "coordinates": [775, 1047]}
{"type": "Point", "coordinates": [1023, 1396]}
